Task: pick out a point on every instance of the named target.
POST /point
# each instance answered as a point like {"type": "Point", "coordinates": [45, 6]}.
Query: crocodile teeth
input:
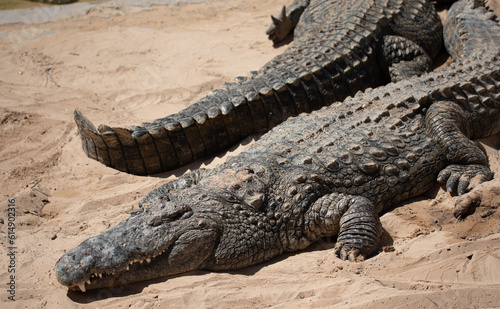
{"type": "Point", "coordinates": [128, 267]}
{"type": "Point", "coordinates": [100, 275]}
{"type": "Point", "coordinates": [148, 260]}
{"type": "Point", "coordinates": [88, 281]}
{"type": "Point", "coordinates": [82, 287]}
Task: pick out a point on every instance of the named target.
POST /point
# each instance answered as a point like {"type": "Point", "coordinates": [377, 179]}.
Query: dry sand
{"type": "Point", "coordinates": [122, 66]}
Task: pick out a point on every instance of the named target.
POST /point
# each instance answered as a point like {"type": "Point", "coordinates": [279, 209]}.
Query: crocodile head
{"type": "Point", "coordinates": [157, 240]}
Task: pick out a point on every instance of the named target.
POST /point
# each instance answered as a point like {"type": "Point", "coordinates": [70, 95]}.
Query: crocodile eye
{"type": "Point", "coordinates": [229, 197]}
{"type": "Point", "coordinates": [172, 211]}
{"type": "Point", "coordinates": [169, 213]}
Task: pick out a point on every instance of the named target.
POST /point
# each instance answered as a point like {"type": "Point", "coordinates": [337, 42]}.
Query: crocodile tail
{"type": "Point", "coordinates": [212, 124]}
{"type": "Point", "coordinates": [223, 118]}
{"type": "Point", "coordinates": [149, 149]}
{"type": "Point", "coordinates": [93, 143]}
{"type": "Point", "coordinates": [470, 31]}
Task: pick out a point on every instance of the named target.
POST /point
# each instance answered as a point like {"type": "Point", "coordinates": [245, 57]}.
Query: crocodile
{"type": "Point", "coordinates": [323, 174]}
{"type": "Point", "coordinates": [338, 49]}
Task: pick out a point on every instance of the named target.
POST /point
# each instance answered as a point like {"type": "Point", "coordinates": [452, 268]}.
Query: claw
{"type": "Point", "coordinates": [452, 182]}
{"type": "Point", "coordinates": [283, 18]}
{"type": "Point", "coordinates": [283, 14]}
{"type": "Point", "coordinates": [463, 185]}
{"type": "Point", "coordinates": [443, 175]}
{"type": "Point", "coordinates": [280, 28]}
{"type": "Point", "coordinates": [461, 178]}
{"type": "Point", "coordinates": [338, 248]}
{"type": "Point", "coordinates": [352, 255]}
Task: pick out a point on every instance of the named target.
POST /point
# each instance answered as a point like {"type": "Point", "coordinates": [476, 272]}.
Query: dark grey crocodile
{"type": "Point", "coordinates": [327, 173]}
{"type": "Point", "coordinates": [339, 48]}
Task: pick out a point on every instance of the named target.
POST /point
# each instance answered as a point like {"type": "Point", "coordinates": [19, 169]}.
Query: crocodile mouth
{"type": "Point", "coordinates": [120, 277]}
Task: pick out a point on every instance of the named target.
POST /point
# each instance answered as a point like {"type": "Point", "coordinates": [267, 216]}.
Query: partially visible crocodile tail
{"type": "Point", "coordinates": [210, 125]}
{"type": "Point", "coordinates": [463, 35]}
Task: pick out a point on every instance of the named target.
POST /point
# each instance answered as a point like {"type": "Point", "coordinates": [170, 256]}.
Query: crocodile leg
{"type": "Point", "coordinates": [428, 34]}
{"type": "Point", "coordinates": [411, 46]}
{"type": "Point", "coordinates": [452, 125]}
{"type": "Point", "coordinates": [289, 18]}
{"type": "Point", "coordinates": [404, 58]}
{"type": "Point", "coordinates": [352, 218]}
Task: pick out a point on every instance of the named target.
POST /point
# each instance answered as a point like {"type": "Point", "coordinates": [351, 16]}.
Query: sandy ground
{"type": "Point", "coordinates": [122, 65]}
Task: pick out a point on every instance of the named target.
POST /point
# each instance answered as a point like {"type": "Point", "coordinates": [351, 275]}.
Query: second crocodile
{"type": "Point", "coordinates": [339, 48]}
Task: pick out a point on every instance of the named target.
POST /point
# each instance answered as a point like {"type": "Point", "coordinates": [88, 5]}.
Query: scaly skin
{"type": "Point", "coordinates": [327, 173]}
{"type": "Point", "coordinates": [339, 48]}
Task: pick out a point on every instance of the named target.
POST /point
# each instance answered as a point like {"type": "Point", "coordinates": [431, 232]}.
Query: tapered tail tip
{"type": "Point", "coordinates": [83, 122]}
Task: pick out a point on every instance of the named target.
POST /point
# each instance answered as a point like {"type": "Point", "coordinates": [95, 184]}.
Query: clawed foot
{"type": "Point", "coordinates": [347, 252]}
{"type": "Point", "coordinates": [280, 27]}
{"type": "Point", "coordinates": [466, 205]}
{"type": "Point", "coordinates": [485, 195]}
{"type": "Point", "coordinates": [461, 178]}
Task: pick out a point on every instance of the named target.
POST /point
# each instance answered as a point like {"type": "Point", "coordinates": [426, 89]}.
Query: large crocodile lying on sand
{"type": "Point", "coordinates": [339, 48]}
{"type": "Point", "coordinates": [327, 173]}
